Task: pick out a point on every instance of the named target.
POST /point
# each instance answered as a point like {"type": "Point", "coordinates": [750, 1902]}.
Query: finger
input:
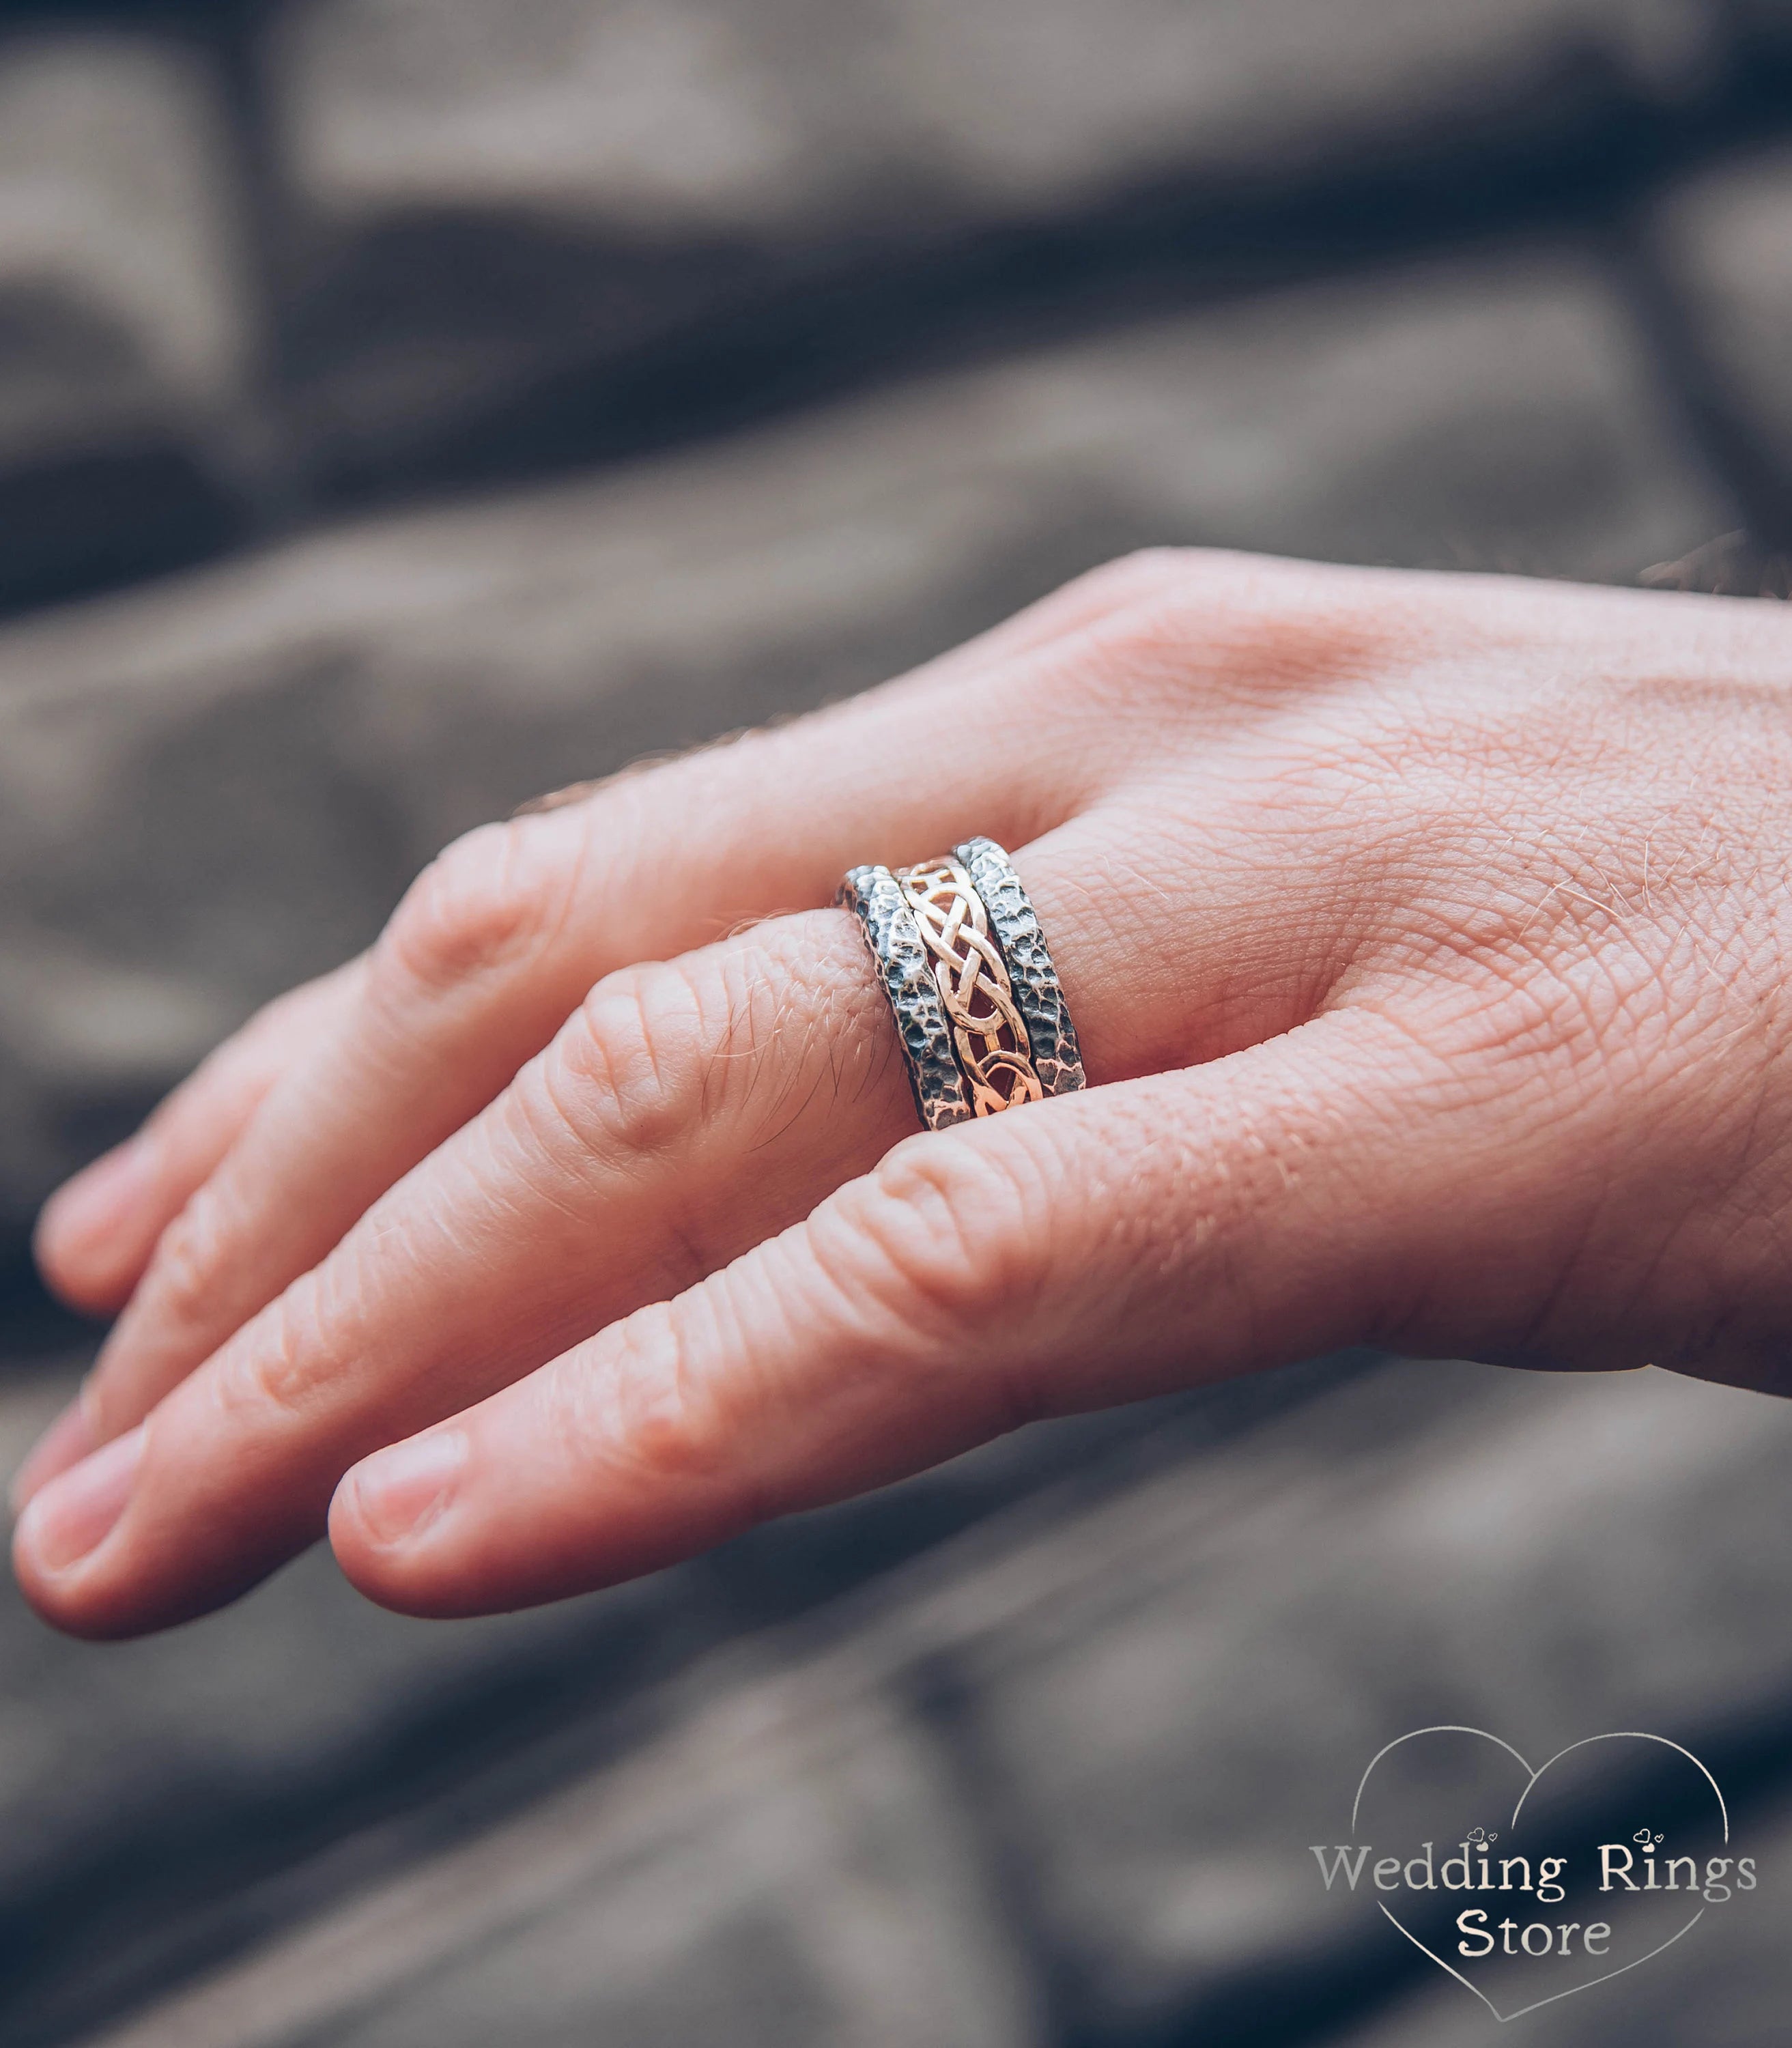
{"type": "Point", "coordinates": [686, 1112]}
{"type": "Point", "coordinates": [1088, 1251]}
{"type": "Point", "coordinates": [98, 1230]}
{"type": "Point", "coordinates": [502, 938]}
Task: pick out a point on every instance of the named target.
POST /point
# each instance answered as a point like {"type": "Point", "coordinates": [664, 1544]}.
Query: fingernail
{"type": "Point", "coordinates": [67, 1440]}
{"type": "Point", "coordinates": [397, 1493]}
{"type": "Point", "coordinates": [75, 1513]}
{"type": "Point", "coordinates": [100, 1196]}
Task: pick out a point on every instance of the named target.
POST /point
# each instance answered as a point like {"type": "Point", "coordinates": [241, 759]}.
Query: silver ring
{"type": "Point", "coordinates": [878, 900]}
{"type": "Point", "coordinates": [1057, 1058]}
{"type": "Point", "coordinates": [980, 1009]}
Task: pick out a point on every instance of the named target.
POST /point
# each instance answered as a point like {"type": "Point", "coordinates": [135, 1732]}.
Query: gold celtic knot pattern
{"type": "Point", "coordinates": [987, 1032]}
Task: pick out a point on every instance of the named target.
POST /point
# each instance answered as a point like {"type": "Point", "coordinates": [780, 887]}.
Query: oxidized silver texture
{"type": "Point", "coordinates": [878, 900]}
{"type": "Point", "coordinates": [1038, 994]}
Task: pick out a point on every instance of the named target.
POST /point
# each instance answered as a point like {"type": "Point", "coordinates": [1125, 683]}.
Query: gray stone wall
{"type": "Point", "coordinates": [406, 408]}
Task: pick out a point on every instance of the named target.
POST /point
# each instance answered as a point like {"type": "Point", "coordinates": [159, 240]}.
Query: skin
{"type": "Point", "coordinates": [1427, 940]}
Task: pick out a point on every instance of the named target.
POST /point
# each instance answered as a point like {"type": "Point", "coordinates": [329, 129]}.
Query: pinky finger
{"type": "Point", "coordinates": [97, 1231]}
{"type": "Point", "coordinates": [1075, 1254]}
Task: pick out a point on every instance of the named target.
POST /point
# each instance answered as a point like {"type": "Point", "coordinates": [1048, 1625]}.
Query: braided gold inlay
{"type": "Point", "coordinates": [987, 1032]}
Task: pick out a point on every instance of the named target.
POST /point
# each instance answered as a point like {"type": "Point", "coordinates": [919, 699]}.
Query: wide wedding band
{"type": "Point", "coordinates": [979, 1007]}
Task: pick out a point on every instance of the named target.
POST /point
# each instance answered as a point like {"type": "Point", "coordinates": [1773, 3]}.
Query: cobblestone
{"type": "Point", "coordinates": [494, 192]}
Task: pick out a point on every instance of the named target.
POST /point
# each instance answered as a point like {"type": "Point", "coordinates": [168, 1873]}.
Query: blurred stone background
{"type": "Point", "coordinates": [406, 406]}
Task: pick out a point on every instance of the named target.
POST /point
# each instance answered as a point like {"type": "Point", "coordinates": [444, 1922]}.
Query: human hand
{"type": "Point", "coordinates": [1426, 937]}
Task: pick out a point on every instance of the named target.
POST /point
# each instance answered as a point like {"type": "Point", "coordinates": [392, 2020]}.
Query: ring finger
{"type": "Point", "coordinates": [688, 1112]}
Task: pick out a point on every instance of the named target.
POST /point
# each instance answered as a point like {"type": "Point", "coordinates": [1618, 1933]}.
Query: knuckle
{"type": "Point", "coordinates": [289, 1357]}
{"type": "Point", "coordinates": [1244, 626]}
{"type": "Point", "coordinates": [941, 1238]}
{"type": "Point", "coordinates": [1144, 571]}
{"type": "Point", "coordinates": [633, 1073]}
{"type": "Point", "coordinates": [642, 1407]}
{"type": "Point", "coordinates": [262, 1372]}
{"type": "Point", "coordinates": [190, 1253]}
{"type": "Point", "coordinates": [487, 902]}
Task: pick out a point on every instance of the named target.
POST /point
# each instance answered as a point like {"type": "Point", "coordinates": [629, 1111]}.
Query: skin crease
{"type": "Point", "coordinates": [1427, 938]}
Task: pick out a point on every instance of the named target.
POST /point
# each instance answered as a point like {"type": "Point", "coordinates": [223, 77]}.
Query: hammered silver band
{"type": "Point", "coordinates": [880, 904]}
{"type": "Point", "coordinates": [1057, 1058]}
{"type": "Point", "coordinates": [980, 1009]}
